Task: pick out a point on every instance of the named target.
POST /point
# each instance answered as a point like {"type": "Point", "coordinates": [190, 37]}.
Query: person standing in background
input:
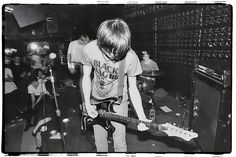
{"type": "Point", "coordinates": [74, 56]}
{"type": "Point", "coordinates": [61, 68]}
{"type": "Point", "coordinates": [10, 94]}
{"type": "Point", "coordinates": [19, 71]}
{"type": "Point", "coordinates": [74, 52]}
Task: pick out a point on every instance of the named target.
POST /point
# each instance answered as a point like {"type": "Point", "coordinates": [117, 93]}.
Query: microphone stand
{"type": "Point", "coordinates": [58, 112]}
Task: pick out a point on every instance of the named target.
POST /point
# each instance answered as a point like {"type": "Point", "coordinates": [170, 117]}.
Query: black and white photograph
{"type": "Point", "coordinates": [117, 78]}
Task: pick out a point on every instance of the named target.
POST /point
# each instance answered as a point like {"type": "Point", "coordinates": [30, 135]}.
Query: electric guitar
{"type": "Point", "coordinates": [106, 114]}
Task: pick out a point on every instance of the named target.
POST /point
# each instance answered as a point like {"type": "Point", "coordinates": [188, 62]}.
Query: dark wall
{"type": "Point", "coordinates": [177, 35]}
{"type": "Point", "coordinates": [69, 21]}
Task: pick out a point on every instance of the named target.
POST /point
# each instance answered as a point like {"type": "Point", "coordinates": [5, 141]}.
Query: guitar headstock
{"type": "Point", "coordinates": [172, 130]}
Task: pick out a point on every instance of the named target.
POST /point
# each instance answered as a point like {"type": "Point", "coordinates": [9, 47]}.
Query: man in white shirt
{"type": "Point", "coordinates": [74, 52]}
{"type": "Point", "coordinates": [148, 65]}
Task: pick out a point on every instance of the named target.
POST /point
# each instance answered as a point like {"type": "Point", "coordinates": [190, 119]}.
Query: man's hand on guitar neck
{"type": "Point", "coordinates": [91, 110]}
{"type": "Point", "coordinates": [142, 126]}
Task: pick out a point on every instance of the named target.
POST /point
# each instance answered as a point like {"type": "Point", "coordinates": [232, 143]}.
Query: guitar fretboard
{"type": "Point", "coordinates": [129, 120]}
{"type": "Point", "coordinates": [168, 128]}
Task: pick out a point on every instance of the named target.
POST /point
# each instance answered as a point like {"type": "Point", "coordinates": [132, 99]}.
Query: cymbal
{"type": "Point", "coordinates": [152, 73]}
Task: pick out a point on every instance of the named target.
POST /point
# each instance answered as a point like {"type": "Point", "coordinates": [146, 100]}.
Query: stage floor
{"type": "Point", "coordinates": [78, 142]}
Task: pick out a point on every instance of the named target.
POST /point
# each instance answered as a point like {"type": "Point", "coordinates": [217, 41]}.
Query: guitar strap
{"type": "Point", "coordinates": [121, 74]}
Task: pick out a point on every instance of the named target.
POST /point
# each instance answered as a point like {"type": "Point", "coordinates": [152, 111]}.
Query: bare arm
{"type": "Point", "coordinates": [37, 101]}
{"type": "Point", "coordinates": [39, 98]}
{"type": "Point", "coordinates": [137, 103]}
{"type": "Point", "coordinates": [32, 99]}
{"type": "Point", "coordinates": [68, 58]}
{"type": "Point", "coordinates": [70, 64]}
{"type": "Point", "coordinates": [86, 87]}
{"type": "Point", "coordinates": [136, 98]}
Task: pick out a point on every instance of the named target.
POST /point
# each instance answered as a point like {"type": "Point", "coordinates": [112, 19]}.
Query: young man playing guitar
{"type": "Point", "coordinates": [115, 69]}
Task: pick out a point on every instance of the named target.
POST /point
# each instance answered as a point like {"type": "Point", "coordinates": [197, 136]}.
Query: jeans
{"type": "Point", "coordinates": [119, 135]}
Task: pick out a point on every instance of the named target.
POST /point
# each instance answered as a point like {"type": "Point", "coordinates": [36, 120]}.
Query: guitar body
{"type": "Point", "coordinates": [105, 105]}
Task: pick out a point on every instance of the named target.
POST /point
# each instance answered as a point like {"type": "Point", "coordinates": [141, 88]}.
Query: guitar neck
{"type": "Point", "coordinates": [129, 120]}
{"type": "Point", "coordinates": [168, 128]}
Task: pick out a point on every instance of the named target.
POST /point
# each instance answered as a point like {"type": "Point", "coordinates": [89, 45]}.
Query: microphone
{"type": "Point", "coordinates": [52, 56]}
{"type": "Point", "coordinates": [49, 62]}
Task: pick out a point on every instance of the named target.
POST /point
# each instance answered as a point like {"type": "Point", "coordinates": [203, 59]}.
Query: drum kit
{"type": "Point", "coordinates": [152, 73]}
{"type": "Point", "coordinates": [146, 85]}
{"type": "Point", "coordinates": [147, 80]}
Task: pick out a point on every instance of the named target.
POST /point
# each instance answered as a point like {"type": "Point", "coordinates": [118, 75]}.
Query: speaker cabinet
{"type": "Point", "coordinates": [26, 15]}
{"type": "Point", "coordinates": [51, 24]}
{"type": "Point", "coordinates": [13, 137]}
{"type": "Point", "coordinates": [211, 115]}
